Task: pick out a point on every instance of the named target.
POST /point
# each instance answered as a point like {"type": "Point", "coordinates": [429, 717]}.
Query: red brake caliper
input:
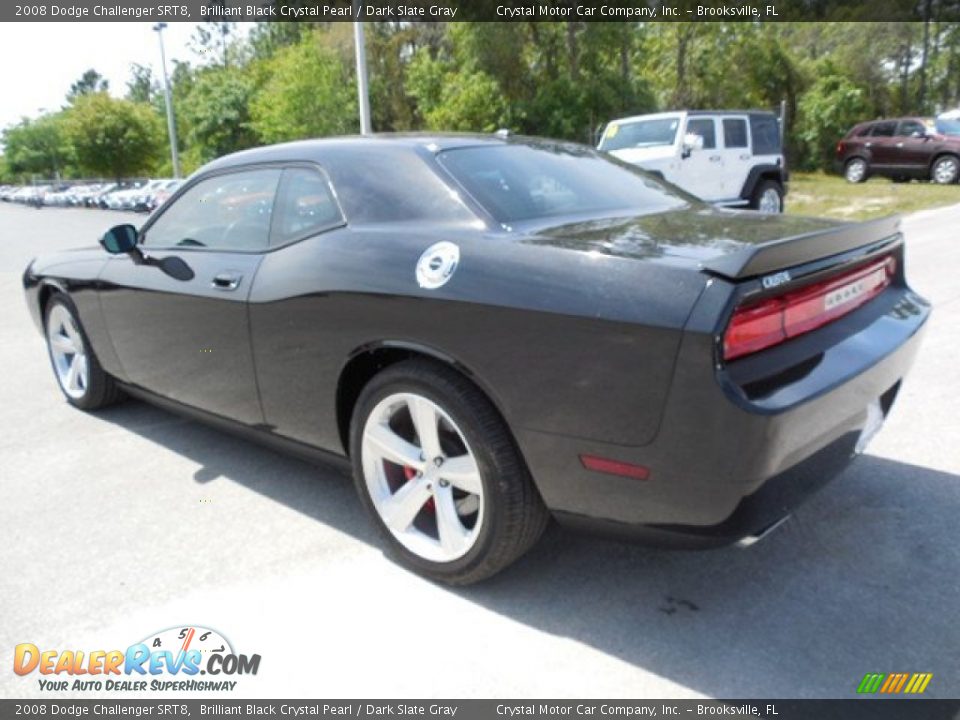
{"type": "Point", "coordinates": [409, 473]}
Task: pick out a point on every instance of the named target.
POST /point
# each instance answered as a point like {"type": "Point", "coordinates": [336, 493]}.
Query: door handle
{"type": "Point", "coordinates": [868, 144]}
{"type": "Point", "coordinates": [714, 158]}
{"type": "Point", "coordinates": [226, 281]}
{"type": "Point", "coordinates": [745, 156]}
{"type": "Point", "coordinates": [899, 144]}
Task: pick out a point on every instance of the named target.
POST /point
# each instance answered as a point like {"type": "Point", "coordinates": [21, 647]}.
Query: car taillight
{"type": "Point", "coordinates": [840, 147]}
{"type": "Point", "coordinates": [760, 325]}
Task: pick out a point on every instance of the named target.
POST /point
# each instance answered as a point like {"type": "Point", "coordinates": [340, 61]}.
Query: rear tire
{"type": "Point", "coordinates": [767, 197]}
{"type": "Point", "coordinates": [945, 170]}
{"type": "Point", "coordinates": [458, 505]}
{"type": "Point", "coordinates": [856, 170]}
{"type": "Point", "coordinates": [75, 366]}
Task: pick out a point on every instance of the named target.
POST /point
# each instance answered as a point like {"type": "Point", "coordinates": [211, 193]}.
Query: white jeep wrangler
{"type": "Point", "coordinates": [731, 158]}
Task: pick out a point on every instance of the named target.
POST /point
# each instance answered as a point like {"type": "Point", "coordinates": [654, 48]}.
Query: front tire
{"type": "Point", "coordinates": [855, 170]}
{"type": "Point", "coordinates": [75, 366]}
{"type": "Point", "coordinates": [440, 474]}
{"type": "Point", "coordinates": [945, 170]}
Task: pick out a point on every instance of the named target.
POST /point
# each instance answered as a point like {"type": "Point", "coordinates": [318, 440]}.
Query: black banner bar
{"type": "Point", "coordinates": [477, 10]}
{"type": "Point", "coordinates": [874, 709]}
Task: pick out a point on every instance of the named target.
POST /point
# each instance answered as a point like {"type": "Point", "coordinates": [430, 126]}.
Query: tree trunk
{"type": "Point", "coordinates": [922, 92]}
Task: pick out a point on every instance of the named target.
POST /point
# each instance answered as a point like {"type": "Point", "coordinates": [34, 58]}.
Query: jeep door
{"type": "Point", "coordinates": [701, 172]}
{"type": "Point", "coordinates": [735, 153]}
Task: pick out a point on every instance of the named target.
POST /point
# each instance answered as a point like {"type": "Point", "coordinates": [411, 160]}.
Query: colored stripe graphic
{"type": "Point", "coordinates": [894, 683]}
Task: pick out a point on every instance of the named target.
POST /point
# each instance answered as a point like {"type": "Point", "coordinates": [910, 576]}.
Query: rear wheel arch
{"type": "Point", "coordinates": [759, 173]}
{"type": "Point", "coordinates": [368, 361]}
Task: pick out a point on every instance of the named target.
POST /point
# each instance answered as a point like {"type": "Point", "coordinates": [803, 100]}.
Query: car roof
{"type": "Point", "coordinates": [691, 113]}
{"type": "Point", "coordinates": [314, 149]}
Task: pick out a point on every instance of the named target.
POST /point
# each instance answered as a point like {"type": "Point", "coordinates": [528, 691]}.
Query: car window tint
{"type": "Point", "coordinates": [525, 182]}
{"type": "Point", "coordinates": [734, 133]}
{"type": "Point", "coordinates": [766, 134]}
{"type": "Point", "coordinates": [704, 128]}
{"type": "Point", "coordinates": [865, 130]}
{"type": "Point", "coordinates": [909, 127]}
{"type": "Point", "coordinates": [884, 129]}
{"type": "Point", "coordinates": [388, 184]}
{"type": "Point", "coordinates": [305, 205]}
{"type": "Point", "coordinates": [225, 212]}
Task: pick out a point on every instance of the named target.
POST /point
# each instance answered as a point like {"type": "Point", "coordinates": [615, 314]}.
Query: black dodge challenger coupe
{"type": "Point", "coordinates": [496, 330]}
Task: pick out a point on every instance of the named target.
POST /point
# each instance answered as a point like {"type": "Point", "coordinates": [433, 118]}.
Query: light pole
{"type": "Point", "coordinates": [168, 100]}
{"type": "Point", "coordinates": [363, 95]}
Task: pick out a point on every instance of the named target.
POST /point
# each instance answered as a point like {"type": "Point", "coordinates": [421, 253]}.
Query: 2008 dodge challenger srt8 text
{"type": "Point", "coordinates": [497, 330]}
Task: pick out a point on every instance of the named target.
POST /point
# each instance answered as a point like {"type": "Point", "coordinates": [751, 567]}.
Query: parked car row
{"type": "Point", "coordinates": [141, 195]}
{"type": "Point", "coordinates": [902, 149]}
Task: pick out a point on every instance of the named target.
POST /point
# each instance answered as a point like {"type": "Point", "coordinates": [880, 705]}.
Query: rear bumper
{"type": "Point", "coordinates": [726, 465]}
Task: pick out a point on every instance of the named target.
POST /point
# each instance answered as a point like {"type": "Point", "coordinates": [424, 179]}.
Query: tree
{"type": "Point", "coordinates": [827, 111]}
{"type": "Point", "coordinates": [90, 82]}
{"type": "Point", "coordinates": [308, 90]}
{"type": "Point", "coordinates": [217, 113]}
{"type": "Point", "coordinates": [141, 85]}
{"type": "Point", "coordinates": [37, 146]}
{"type": "Point", "coordinates": [114, 138]}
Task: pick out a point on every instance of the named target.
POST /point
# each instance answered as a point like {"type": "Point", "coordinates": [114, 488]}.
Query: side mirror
{"type": "Point", "coordinates": [120, 239]}
{"type": "Point", "coordinates": [691, 142]}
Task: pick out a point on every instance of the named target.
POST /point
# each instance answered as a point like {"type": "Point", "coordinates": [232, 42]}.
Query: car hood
{"type": "Point", "coordinates": [693, 234]}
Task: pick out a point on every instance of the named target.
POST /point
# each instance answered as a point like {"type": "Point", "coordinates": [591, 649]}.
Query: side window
{"type": "Point", "coordinates": [224, 212]}
{"type": "Point", "coordinates": [703, 127]}
{"type": "Point", "coordinates": [909, 127]}
{"type": "Point", "coordinates": [864, 131]}
{"type": "Point", "coordinates": [734, 133]}
{"type": "Point", "coordinates": [305, 205]}
{"type": "Point", "coordinates": [765, 133]}
{"type": "Point", "coordinates": [884, 129]}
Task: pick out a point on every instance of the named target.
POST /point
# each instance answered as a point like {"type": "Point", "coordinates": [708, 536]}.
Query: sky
{"type": "Point", "coordinates": [39, 61]}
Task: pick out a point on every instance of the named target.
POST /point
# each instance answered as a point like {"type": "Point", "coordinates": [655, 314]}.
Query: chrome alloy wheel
{"type": "Point", "coordinates": [422, 477]}
{"type": "Point", "coordinates": [769, 201]}
{"type": "Point", "coordinates": [68, 353]}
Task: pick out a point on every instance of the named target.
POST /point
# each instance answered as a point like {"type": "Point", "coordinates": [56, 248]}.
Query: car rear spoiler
{"type": "Point", "coordinates": [769, 257]}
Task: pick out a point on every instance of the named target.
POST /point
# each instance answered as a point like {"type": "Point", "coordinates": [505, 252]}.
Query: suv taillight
{"type": "Point", "coordinates": [756, 326]}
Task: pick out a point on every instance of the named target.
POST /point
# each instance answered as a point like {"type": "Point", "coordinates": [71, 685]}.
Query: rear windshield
{"type": "Point", "coordinates": [527, 182]}
{"type": "Point", "coordinates": [639, 134]}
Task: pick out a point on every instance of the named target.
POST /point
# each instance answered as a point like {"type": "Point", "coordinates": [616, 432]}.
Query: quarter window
{"type": "Point", "coordinates": [704, 128]}
{"type": "Point", "coordinates": [734, 133]}
{"type": "Point", "coordinates": [305, 205]}
{"type": "Point", "coordinates": [225, 212]}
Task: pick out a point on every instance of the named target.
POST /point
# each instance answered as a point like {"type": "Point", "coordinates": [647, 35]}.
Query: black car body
{"type": "Point", "coordinates": [600, 337]}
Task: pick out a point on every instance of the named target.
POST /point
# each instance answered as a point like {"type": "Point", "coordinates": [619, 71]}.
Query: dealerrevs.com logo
{"type": "Point", "coordinates": [171, 659]}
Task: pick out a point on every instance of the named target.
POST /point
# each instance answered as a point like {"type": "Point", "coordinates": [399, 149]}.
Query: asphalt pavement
{"type": "Point", "coordinates": [119, 524]}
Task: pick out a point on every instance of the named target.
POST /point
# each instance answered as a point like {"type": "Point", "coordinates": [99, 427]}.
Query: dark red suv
{"type": "Point", "coordinates": [913, 147]}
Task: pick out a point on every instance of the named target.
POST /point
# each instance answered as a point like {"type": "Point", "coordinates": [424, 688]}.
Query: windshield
{"type": "Point", "coordinates": [948, 126]}
{"type": "Point", "coordinates": [527, 182]}
{"type": "Point", "coordinates": [642, 133]}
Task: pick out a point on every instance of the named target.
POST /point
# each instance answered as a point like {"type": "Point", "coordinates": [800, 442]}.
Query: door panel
{"type": "Point", "coordinates": [186, 340]}
{"type": "Point", "coordinates": [913, 153]}
{"type": "Point", "coordinates": [189, 340]}
{"type": "Point", "coordinates": [702, 172]}
{"type": "Point", "coordinates": [735, 153]}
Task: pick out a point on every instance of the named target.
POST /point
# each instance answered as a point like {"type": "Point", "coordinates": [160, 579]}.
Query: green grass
{"type": "Point", "coordinates": [831, 196]}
